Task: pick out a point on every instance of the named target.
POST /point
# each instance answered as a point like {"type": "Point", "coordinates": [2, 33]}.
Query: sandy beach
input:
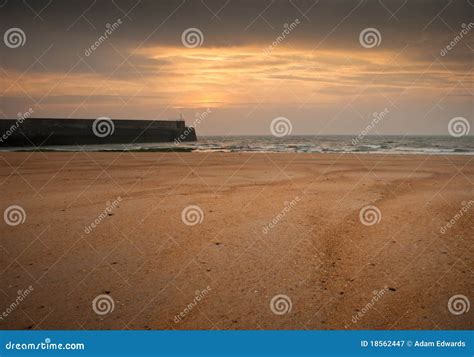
{"type": "Point", "coordinates": [261, 225]}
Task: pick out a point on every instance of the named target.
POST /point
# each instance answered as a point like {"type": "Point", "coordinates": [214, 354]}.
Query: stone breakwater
{"type": "Point", "coordinates": [54, 131]}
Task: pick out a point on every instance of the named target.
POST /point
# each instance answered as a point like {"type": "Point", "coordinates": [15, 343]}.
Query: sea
{"type": "Point", "coordinates": [434, 145]}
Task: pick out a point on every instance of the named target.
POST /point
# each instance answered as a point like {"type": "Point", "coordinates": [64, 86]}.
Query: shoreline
{"type": "Point", "coordinates": [198, 151]}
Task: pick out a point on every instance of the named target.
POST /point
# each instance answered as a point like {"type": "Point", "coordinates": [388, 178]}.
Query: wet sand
{"type": "Point", "coordinates": [276, 224]}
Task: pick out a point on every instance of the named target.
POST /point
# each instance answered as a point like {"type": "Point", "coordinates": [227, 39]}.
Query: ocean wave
{"type": "Point", "coordinates": [292, 144]}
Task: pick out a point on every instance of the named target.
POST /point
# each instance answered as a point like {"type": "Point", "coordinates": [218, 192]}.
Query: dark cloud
{"type": "Point", "coordinates": [142, 65]}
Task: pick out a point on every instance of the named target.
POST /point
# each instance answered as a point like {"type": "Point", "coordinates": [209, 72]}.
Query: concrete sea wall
{"type": "Point", "coordinates": [35, 131]}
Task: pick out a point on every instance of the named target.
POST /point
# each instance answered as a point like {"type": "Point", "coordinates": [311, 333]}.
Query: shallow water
{"type": "Point", "coordinates": [304, 144]}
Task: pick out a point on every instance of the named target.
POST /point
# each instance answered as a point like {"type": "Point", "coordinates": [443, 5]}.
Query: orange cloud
{"type": "Point", "coordinates": [236, 76]}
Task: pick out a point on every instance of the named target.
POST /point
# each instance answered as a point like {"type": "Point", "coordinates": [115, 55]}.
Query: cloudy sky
{"type": "Point", "coordinates": [246, 61]}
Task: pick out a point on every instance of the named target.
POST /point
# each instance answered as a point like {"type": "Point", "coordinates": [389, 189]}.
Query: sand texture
{"type": "Point", "coordinates": [266, 225]}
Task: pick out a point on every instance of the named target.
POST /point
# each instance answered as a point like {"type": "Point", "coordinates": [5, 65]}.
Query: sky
{"type": "Point", "coordinates": [243, 63]}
